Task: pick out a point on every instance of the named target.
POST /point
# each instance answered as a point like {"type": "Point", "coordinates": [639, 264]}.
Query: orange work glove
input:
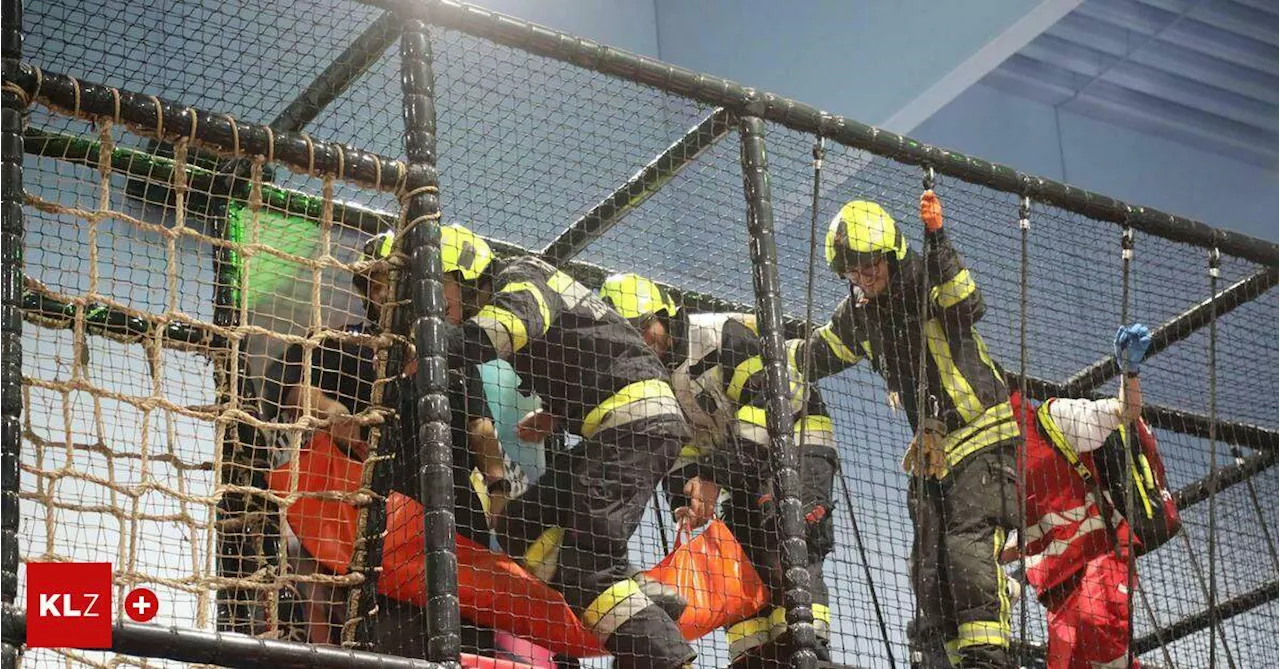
{"type": "Point", "coordinates": [931, 211]}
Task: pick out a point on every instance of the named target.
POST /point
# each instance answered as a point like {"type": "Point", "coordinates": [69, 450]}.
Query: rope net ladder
{"type": "Point", "coordinates": [196, 256]}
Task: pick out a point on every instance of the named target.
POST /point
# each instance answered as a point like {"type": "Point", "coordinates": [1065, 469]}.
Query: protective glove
{"type": "Point", "coordinates": [1132, 342]}
{"type": "Point", "coordinates": [925, 456]}
{"type": "Point", "coordinates": [931, 211]}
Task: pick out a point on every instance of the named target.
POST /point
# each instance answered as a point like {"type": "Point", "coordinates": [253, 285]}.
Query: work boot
{"type": "Point", "coordinates": [666, 597]}
{"type": "Point", "coordinates": [649, 640]}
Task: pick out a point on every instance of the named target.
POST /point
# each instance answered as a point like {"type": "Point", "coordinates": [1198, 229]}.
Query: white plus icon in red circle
{"type": "Point", "coordinates": [141, 605]}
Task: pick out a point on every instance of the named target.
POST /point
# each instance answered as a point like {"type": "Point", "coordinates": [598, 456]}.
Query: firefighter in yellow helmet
{"type": "Point", "coordinates": [963, 497]}
{"type": "Point", "coordinates": [597, 377]}
{"type": "Point", "coordinates": [718, 375]}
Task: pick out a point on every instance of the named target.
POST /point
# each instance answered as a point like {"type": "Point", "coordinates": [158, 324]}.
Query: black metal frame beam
{"type": "Point", "coordinates": [365, 50]}
{"type": "Point", "coordinates": [1177, 329]}
{"type": "Point", "coordinates": [153, 117]}
{"type": "Point", "coordinates": [649, 180]}
{"type": "Point", "coordinates": [580, 52]}
{"type": "Point", "coordinates": [12, 231]}
{"type": "Point", "coordinates": [1267, 592]}
{"type": "Point", "coordinates": [224, 649]}
{"type": "Point", "coordinates": [1238, 472]}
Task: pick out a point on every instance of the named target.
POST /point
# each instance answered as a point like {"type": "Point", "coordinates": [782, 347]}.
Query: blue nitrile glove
{"type": "Point", "coordinates": [1132, 342]}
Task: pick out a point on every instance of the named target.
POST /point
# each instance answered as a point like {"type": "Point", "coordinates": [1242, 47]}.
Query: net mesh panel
{"type": "Point", "coordinates": [123, 460]}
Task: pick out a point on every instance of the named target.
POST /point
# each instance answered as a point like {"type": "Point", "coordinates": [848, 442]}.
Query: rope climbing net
{"type": "Point", "coordinates": [199, 187]}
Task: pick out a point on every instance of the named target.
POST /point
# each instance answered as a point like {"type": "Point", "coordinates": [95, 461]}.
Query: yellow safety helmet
{"type": "Point", "coordinates": [633, 296]}
{"type": "Point", "coordinates": [461, 251]}
{"type": "Point", "coordinates": [862, 232]}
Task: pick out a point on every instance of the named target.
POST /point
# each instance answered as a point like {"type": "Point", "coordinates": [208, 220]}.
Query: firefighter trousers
{"type": "Point", "coordinates": [572, 528]}
{"type": "Point", "coordinates": [961, 523]}
{"type": "Point", "coordinates": [750, 513]}
{"type": "Point", "coordinates": [1089, 617]}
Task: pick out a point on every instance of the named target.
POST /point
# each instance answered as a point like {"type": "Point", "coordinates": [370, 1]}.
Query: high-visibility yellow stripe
{"type": "Point", "coordinates": [822, 613]}
{"type": "Point", "coordinates": [559, 281]}
{"type": "Point", "coordinates": [953, 380]}
{"type": "Point", "coordinates": [753, 415]}
{"type": "Point", "coordinates": [984, 355]}
{"type": "Point", "coordinates": [513, 328]}
{"type": "Point", "coordinates": [635, 392]}
{"type": "Point", "coordinates": [953, 652]}
{"type": "Point", "coordinates": [1138, 478]}
{"type": "Point", "coordinates": [993, 426]}
{"type": "Point", "coordinates": [833, 342]}
{"type": "Point", "coordinates": [742, 374]}
{"type": "Point", "coordinates": [541, 558]}
{"type": "Point", "coordinates": [815, 424]}
{"type": "Point", "coordinates": [983, 633]}
{"type": "Point", "coordinates": [543, 309]}
{"type": "Point", "coordinates": [953, 292]}
{"type": "Point", "coordinates": [1059, 441]}
{"type": "Point", "coordinates": [691, 451]}
{"type": "Point", "coordinates": [746, 628]}
{"type": "Point", "coordinates": [1006, 608]}
{"type": "Point", "coordinates": [614, 596]}
{"type": "Point", "coordinates": [481, 490]}
{"type": "Point", "coordinates": [385, 247]}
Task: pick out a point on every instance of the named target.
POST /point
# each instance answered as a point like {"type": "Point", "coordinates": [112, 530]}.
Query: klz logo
{"type": "Point", "coordinates": [69, 605]}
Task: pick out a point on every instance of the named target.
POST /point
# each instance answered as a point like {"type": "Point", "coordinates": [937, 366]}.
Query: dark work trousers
{"type": "Point", "coordinates": [750, 512]}
{"type": "Point", "coordinates": [598, 494]}
{"type": "Point", "coordinates": [961, 524]}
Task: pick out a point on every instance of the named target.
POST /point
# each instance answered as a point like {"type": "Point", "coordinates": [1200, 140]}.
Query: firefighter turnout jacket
{"type": "Point", "coordinates": [584, 360]}
{"type": "Point", "coordinates": [719, 380]}
{"type": "Point", "coordinates": [965, 395]}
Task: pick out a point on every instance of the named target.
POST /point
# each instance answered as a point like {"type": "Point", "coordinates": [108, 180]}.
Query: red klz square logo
{"type": "Point", "coordinates": [69, 605]}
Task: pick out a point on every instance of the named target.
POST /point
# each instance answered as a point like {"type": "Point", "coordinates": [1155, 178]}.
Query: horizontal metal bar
{"type": "Point", "coordinates": [1176, 329]}
{"type": "Point", "coordinates": [1233, 474]}
{"type": "Point", "coordinates": [226, 649]}
{"type": "Point", "coordinates": [48, 311]}
{"type": "Point", "coordinates": [364, 51]}
{"type": "Point", "coordinates": [660, 171]}
{"type": "Point", "coordinates": [520, 34]}
{"type": "Point", "coordinates": [1258, 596]}
{"type": "Point", "coordinates": [169, 121]}
{"type": "Point", "coordinates": [158, 169]}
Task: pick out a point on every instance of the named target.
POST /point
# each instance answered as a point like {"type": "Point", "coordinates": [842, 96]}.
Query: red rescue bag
{"type": "Point", "coordinates": [713, 574]}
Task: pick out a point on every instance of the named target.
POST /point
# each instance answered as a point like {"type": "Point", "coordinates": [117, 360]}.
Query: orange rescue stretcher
{"type": "Point", "coordinates": [711, 571]}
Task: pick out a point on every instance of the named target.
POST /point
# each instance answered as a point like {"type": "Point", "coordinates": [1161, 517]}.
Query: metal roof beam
{"type": "Point", "coordinates": [1190, 33]}
{"type": "Point", "coordinates": [1244, 21]}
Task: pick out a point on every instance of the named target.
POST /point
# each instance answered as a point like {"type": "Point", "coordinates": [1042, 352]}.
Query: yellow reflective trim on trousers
{"type": "Point", "coordinates": [513, 328]}
{"type": "Point", "coordinates": [953, 652]}
{"type": "Point", "coordinates": [821, 613]}
{"type": "Point", "coordinates": [635, 392]}
{"type": "Point", "coordinates": [982, 633]}
{"type": "Point", "coordinates": [739, 631]}
{"type": "Point", "coordinates": [1002, 586]}
{"type": "Point", "coordinates": [953, 380]}
{"type": "Point", "coordinates": [953, 292]}
{"type": "Point", "coordinates": [625, 594]}
{"type": "Point", "coordinates": [993, 426]}
{"type": "Point", "coordinates": [543, 555]}
{"type": "Point", "coordinates": [837, 346]}
{"type": "Point", "coordinates": [543, 309]}
{"type": "Point", "coordinates": [742, 374]}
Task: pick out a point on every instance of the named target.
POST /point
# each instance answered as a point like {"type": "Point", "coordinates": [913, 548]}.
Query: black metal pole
{"type": "Point", "coordinates": [580, 52]}
{"type": "Point", "coordinates": [1239, 472]}
{"type": "Point", "coordinates": [1245, 601]}
{"type": "Point", "coordinates": [225, 649]}
{"type": "Point", "coordinates": [213, 130]}
{"type": "Point", "coordinates": [422, 244]}
{"type": "Point", "coordinates": [785, 461]}
{"type": "Point", "coordinates": [364, 51]}
{"type": "Point", "coordinates": [1177, 329]}
{"type": "Point", "coordinates": [1214, 271]}
{"type": "Point", "coordinates": [649, 180]}
{"type": "Point", "coordinates": [11, 282]}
